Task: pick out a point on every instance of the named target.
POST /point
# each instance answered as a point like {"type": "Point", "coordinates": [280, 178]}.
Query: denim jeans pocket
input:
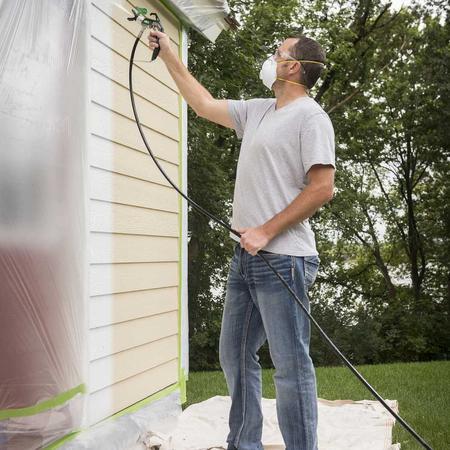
{"type": "Point", "coordinates": [311, 268]}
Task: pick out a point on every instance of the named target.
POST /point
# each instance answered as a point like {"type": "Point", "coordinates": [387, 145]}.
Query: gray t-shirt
{"type": "Point", "coordinates": [278, 148]}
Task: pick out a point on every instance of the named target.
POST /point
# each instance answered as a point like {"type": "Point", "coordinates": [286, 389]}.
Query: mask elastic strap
{"type": "Point", "coordinates": [293, 82]}
{"type": "Point", "coordinates": [297, 60]}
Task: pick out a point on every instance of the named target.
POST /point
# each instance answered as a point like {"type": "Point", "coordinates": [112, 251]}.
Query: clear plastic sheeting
{"type": "Point", "coordinates": [131, 430]}
{"type": "Point", "coordinates": [44, 132]}
{"type": "Point", "coordinates": [206, 16]}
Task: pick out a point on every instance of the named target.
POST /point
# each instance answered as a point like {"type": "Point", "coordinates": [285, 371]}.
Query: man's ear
{"type": "Point", "coordinates": [297, 68]}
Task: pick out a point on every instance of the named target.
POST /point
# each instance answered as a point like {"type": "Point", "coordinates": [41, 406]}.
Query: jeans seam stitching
{"type": "Point", "coordinates": [299, 381]}
{"type": "Point", "coordinates": [243, 359]}
{"type": "Point", "coordinates": [243, 271]}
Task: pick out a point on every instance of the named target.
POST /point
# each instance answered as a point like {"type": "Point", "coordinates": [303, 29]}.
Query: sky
{"type": "Point", "coordinates": [396, 4]}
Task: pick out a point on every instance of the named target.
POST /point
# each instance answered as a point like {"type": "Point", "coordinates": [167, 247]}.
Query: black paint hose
{"type": "Point", "coordinates": [336, 350]}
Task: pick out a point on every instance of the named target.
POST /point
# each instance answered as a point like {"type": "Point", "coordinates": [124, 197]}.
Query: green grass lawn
{"type": "Point", "coordinates": [422, 391]}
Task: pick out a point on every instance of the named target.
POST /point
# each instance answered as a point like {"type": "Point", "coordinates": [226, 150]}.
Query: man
{"type": "Point", "coordinates": [285, 173]}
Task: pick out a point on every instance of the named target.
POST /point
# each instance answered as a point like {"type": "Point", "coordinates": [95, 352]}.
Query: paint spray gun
{"type": "Point", "coordinates": [140, 15]}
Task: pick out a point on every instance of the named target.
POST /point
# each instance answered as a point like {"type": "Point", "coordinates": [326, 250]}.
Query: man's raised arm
{"type": "Point", "coordinates": [198, 98]}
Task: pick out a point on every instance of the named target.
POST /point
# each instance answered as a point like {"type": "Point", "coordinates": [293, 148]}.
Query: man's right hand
{"type": "Point", "coordinates": [164, 43]}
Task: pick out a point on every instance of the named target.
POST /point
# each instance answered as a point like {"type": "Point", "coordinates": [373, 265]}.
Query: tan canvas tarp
{"type": "Point", "coordinates": [343, 425]}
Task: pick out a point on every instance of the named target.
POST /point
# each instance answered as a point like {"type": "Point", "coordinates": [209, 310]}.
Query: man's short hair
{"type": "Point", "coordinates": [307, 48]}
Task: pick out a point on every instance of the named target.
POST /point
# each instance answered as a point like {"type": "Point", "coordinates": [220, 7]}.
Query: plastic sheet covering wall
{"type": "Point", "coordinates": [44, 105]}
{"type": "Point", "coordinates": [206, 16]}
{"type": "Point", "coordinates": [147, 424]}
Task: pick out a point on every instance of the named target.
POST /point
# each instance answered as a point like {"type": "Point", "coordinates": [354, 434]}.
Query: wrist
{"type": "Point", "coordinates": [268, 230]}
{"type": "Point", "coordinates": [167, 55]}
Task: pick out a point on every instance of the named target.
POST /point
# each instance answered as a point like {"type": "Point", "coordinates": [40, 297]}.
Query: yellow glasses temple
{"type": "Point", "coordinates": [300, 60]}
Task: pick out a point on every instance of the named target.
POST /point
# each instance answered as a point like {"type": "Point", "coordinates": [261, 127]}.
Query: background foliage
{"type": "Point", "coordinates": [383, 289]}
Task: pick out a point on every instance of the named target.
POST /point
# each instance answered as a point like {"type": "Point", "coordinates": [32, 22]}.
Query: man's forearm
{"type": "Point", "coordinates": [311, 199]}
{"type": "Point", "coordinates": [191, 90]}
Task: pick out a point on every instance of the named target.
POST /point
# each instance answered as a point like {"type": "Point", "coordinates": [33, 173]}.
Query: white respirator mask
{"type": "Point", "coordinates": [268, 73]}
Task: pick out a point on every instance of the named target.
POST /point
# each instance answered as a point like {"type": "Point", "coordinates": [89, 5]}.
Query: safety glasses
{"type": "Point", "coordinates": [288, 58]}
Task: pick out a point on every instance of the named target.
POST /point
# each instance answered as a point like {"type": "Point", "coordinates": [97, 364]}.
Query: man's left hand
{"type": "Point", "coordinates": [253, 239]}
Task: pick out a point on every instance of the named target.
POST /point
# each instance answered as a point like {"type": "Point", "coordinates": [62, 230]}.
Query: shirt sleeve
{"type": "Point", "coordinates": [317, 141]}
{"type": "Point", "coordinates": [238, 112]}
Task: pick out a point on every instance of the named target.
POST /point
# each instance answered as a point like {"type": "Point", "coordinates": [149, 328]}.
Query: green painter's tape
{"type": "Point", "coordinates": [183, 395]}
{"type": "Point", "coordinates": [180, 243]}
{"type": "Point", "coordinates": [43, 406]}
{"type": "Point", "coordinates": [140, 404]}
{"type": "Point", "coordinates": [63, 440]}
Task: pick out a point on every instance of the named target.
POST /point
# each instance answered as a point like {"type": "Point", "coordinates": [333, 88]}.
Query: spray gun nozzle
{"type": "Point", "coordinates": [140, 12]}
{"type": "Point", "coordinates": [135, 16]}
{"type": "Point", "coordinates": [140, 15]}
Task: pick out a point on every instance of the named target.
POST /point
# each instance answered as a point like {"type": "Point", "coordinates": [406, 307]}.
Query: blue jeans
{"type": "Point", "coordinates": [259, 307]}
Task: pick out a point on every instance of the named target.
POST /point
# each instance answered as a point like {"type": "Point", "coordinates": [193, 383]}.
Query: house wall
{"type": "Point", "coordinates": [135, 215]}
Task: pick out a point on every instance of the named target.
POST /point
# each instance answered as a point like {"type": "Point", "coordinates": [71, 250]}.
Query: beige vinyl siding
{"type": "Point", "coordinates": [130, 390]}
{"type": "Point", "coordinates": [135, 222]}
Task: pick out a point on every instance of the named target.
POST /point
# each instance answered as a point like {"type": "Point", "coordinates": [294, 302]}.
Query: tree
{"type": "Point", "coordinates": [389, 147]}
